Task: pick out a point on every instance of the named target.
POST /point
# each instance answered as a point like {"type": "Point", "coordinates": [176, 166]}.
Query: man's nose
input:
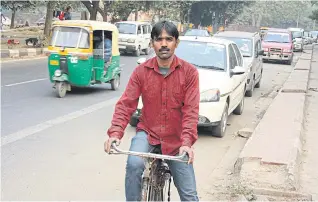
{"type": "Point", "coordinates": [164, 43]}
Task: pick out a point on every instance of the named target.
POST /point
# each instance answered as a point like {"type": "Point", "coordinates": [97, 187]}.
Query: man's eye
{"type": "Point", "coordinates": [158, 39]}
{"type": "Point", "coordinates": [169, 39]}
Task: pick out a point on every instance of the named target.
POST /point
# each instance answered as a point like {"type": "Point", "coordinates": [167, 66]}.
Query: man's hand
{"type": "Point", "coordinates": [189, 151]}
{"type": "Point", "coordinates": [108, 143]}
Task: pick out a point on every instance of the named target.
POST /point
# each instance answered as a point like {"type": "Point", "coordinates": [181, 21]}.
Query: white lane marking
{"type": "Point", "coordinates": [62, 119]}
{"type": "Point", "coordinates": [35, 80]}
{"type": "Point", "coordinates": [24, 82]}
{"type": "Point", "coordinates": [21, 59]}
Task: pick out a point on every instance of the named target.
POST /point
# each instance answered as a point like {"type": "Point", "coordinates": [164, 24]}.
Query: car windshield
{"type": "Point", "coordinates": [196, 32]}
{"type": "Point", "coordinates": [70, 37]}
{"type": "Point", "coordinates": [277, 37]}
{"type": "Point", "coordinates": [296, 34]}
{"type": "Point", "coordinates": [314, 34]}
{"type": "Point", "coordinates": [203, 54]}
{"type": "Point", "coordinates": [244, 44]}
{"type": "Point", "coordinates": [126, 28]}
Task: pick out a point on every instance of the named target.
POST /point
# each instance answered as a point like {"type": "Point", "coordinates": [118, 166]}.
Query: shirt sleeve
{"type": "Point", "coordinates": [125, 107]}
{"type": "Point", "coordinates": [190, 109]}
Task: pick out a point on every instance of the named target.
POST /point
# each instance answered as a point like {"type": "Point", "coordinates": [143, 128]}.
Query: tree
{"type": "Point", "coordinates": [93, 7]}
{"type": "Point", "coordinates": [314, 15]}
{"type": "Point", "coordinates": [15, 6]}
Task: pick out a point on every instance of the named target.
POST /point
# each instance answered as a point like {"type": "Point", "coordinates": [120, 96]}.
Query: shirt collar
{"type": "Point", "coordinates": [153, 63]}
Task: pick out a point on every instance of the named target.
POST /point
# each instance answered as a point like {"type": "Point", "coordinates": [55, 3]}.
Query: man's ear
{"type": "Point", "coordinates": [178, 41]}
{"type": "Point", "coordinates": [151, 43]}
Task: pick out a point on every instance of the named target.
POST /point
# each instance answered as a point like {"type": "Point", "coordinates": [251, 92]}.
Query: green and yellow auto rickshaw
{"type": "Point", "coordinates": [76, 55]}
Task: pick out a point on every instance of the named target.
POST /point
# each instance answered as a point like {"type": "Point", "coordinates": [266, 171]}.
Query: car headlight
{"type": "Point", "coordinates": [57, 73]}
{"type": "Point", "coordinates": [287, 50]}
{"type": "Point", "coordinates": [212, 95]}
{"type": "Point", "coordinates": [265, 49]}
{"type": "Point", "coordinates": [131, 40]}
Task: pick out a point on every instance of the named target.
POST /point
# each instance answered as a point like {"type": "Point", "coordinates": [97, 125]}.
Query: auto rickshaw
{"type": "Point", "coordinates": [263, 31]}
{"type": "Point", "coordinates": [76, 55]}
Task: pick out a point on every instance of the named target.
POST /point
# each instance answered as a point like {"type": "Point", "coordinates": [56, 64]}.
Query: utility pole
{"type": "Point", "coordinates": [314, 25]}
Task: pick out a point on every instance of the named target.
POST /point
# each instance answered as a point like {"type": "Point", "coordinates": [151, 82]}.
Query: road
{"type": "Point", "coordinates": [60, 156]}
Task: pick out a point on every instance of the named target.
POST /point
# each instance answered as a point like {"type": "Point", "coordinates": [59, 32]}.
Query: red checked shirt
{"type": "Point", "coordinates": [170, 105]}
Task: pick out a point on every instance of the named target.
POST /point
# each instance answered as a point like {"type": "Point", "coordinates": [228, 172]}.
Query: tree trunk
{"type": "Point", "coordinates": [12, 18]}
{"type": "Point", "coordinates": [84, 15]}
{"type": "Point", "coordinates": [136, 15]}
{"type": "Point", "coordinates": [253, 20]}
{"type": "Point", "coordinates": [259, 20]}
{"type": "Point", "coordinates": [48, 18]}
{"type": "Point", "coordinates": [105, 12]}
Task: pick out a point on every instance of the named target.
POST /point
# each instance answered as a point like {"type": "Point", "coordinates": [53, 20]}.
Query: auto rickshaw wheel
{"type": "Point", "coordinates": [115, 82]}
{"type": "Point", "coordinates": [61, 89]}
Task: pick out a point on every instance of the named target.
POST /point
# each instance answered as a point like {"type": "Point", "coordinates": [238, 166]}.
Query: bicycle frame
{"type": "Point", "coordinates": [155, 175]}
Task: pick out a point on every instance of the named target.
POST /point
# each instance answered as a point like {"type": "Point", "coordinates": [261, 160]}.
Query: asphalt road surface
{"type": "Point", "coordinates": [52, 149]}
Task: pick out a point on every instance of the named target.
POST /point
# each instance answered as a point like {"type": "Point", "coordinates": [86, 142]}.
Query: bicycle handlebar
{"type": "Point", "coordinates": [149, 155]}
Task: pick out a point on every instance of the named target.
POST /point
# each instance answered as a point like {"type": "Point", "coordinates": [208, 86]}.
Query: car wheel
{"type": "Point", "coordinates": [250, 92]}
{"type": "Point", "coordinates": [137, 52]}
{"type": "Point", "coordinates": [239, 109]}
{"type": "Point", "coordinates": [219, 131]}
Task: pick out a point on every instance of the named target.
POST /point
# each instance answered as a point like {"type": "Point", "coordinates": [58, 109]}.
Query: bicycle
{"type": "Point", "coordinates": [156, 173]}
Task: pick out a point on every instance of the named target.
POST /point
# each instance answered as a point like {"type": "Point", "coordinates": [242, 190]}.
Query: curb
{"type": "Point", "coordinates": [270, 158]}
{"type": "Point", "coordinates": [18, 53]}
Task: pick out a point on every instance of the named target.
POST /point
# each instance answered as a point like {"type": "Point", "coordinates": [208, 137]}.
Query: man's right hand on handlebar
{"type": "Point", "coordinates": [108, 143]}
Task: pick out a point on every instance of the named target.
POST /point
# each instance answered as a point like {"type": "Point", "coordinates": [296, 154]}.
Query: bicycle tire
{"type": "Point", "coordinates": [144, 189]}
{"type": "Point", "coordinates": [155, 195]}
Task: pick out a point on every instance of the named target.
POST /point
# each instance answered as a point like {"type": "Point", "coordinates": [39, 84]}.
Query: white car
{"type": "Point", "coordinates": [134, 37]}
{"type": "Point", "coordinates": [222, 79]}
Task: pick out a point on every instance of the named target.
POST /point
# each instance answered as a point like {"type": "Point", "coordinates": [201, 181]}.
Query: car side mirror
{"type": "Point", "coordinates": [238, 70]}
{"type": "Point", "coordinates": [141, 60]}
{"type": "Point", "coordinates": [261, 52]}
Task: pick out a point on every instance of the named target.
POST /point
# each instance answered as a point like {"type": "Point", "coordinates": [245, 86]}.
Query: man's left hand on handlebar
{"type": "Point", "coordinates": [108, 143]}
{"type": "Point", "coordinates": [189, 151]}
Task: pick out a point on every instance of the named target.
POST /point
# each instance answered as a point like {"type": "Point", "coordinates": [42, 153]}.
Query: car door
{"type": "Point", "coordinates": [144, 36]}
{"type": "Point", "coordinates": [140, 38]}
{"type": "Point", "coordinates": [236, 80]}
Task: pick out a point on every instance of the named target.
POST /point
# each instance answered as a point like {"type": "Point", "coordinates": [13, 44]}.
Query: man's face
{"type": "Point", "coordinates": [164, 45]}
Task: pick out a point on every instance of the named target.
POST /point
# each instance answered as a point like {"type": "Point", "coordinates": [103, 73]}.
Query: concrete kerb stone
{"type": "Point", "coordinates": [16, 53]}
{"type": "Point", "coordinates": [271, 157]}
{"type": "Point", "coordinates": [31, 51]}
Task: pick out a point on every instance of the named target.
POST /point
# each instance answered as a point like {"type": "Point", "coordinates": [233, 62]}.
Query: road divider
{"type": "Point", "coordinates": [23, 52]}
{"type": "Point", "coordinates": [270, 160]}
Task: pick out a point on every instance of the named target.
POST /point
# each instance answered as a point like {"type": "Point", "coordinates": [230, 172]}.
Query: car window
{"type": "Point", "coordinates": [257, 48]}
{"type": "Point", "coordinates": [203, 54]}
{"type": "Point", "coordinates": [139, 30]}
{"type": "Point", "coordinates": [232, 57]}
{"type": "Point", "coordinates": [238, 55]}
{"type": "Point", "coordinates": [144, 29]}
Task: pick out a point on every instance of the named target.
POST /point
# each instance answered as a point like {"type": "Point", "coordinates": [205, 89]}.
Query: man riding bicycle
{"type": "Point", "coordinates": [169, 87]}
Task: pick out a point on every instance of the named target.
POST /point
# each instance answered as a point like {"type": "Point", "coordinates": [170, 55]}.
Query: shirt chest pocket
{"type": "Point", "coordinates": [177, 96]}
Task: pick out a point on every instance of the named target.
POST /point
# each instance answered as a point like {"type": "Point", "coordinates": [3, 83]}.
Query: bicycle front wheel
{"type": "Point", "coordinates": [155, 194]}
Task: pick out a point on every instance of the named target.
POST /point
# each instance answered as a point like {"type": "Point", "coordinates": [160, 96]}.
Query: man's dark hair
{"type": "Point", "coordinates": [68, 8]}
{"type": "Point", "coordinates": [170, 28]}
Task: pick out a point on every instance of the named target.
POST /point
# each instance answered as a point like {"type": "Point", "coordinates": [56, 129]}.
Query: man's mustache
{"type": "Point", "coordinates": [164, 49]}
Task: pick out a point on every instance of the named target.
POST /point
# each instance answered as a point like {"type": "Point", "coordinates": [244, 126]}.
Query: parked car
{"type": "Point", "coordinates": [134, 37]}
{"type": "Point", "coordinates": [249, 44]}
{"type": "Point", "coordinates": [314, 36]}
{"type": "Point", "coordinates": [197, 32]}
{"type": "Point", "coordinates": [298, 38]}
{"type": "Point", "coordinates": [222, 80]}
{"type": "Point", "coordinates": [278, 46]}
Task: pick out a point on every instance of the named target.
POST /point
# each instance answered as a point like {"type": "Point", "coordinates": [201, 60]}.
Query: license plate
{"type": "Point", "coordinates": [122, 47]}
{"type": "Point", "coordinates": [54, 62]}
{"type": "Point", "coordinates": [275, 56]}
